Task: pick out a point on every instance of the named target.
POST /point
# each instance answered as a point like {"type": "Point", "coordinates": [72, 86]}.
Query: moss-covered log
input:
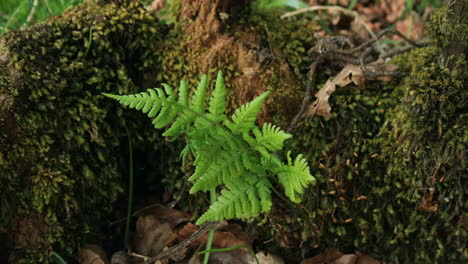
{"type": "Point", "coordinates": [390, 162]}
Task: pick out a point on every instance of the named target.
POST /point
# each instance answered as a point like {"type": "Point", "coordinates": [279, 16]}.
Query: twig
{"type": "Point", "coordinates": [181, 192]}
{"type": "Point", "coordinates": [433, 183]}
{"type": "Point", "coordinates": [375, 74]}
{"type": "Point", "coordinates": [182, 245]}
{"type": "Point", "coordinates": [396, 51]}
{"type": "Point", "coordinates": [334, 8]}
{"type": "Point", "coordinates": [305, 100]}
{"type": "Point", "coordinates": [32, 12]}
{"type": "Point", "coordinates": [133, 254]}
{"type": "Point", "coordinates": [382, 33]}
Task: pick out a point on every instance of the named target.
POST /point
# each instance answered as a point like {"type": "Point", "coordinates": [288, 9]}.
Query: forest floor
{"type": "Point", "coordinates": [162, 230]}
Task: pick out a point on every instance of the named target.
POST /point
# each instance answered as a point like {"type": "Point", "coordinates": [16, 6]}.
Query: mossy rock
{"type": "Point", "coordinates": [63, 146]}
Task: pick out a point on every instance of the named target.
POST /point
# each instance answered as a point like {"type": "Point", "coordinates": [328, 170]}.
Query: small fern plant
{"type": "Point", "coordinates": [231, 154]}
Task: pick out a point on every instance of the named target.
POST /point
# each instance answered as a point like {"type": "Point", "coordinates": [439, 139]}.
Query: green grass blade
{"type": "Point", "coordinates": [60, 259]}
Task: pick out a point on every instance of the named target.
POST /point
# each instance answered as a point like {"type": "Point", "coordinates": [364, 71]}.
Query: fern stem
{"type": "Point", "coordinates": [130, 188]}
{"type": "Point", "coordinates": [211, 233]}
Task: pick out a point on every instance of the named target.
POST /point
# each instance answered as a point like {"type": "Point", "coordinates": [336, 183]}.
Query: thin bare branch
{"type": "Point", "coordinates": [179, 247]}
{"type": "Point", "coordinates": [331, 8]}
{"type": "Point", "coordinates": [305, 100]}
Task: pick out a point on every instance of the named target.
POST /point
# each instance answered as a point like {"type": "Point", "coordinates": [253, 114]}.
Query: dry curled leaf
{"type": "Point", "coordinates": [328, 256]}
{"type": "Point", "coordinates": [232, 236]}
{"type": "Point", "coordinates": [93, 254]}
{"type": "Point", "coordinates": [365, 259]}
{"type": "Point", "coordinates": [152, 236]}
{"type": "Point", "coordinates": [267, 258]}
{"type": "Point", "coordinates": [334, 256]}
{"type": "Point", "coordinates": [349, 74]}
{"type": "Point", "coordinates": [167, 215]}
{"type": "Point", "coordinates": [119, 257]}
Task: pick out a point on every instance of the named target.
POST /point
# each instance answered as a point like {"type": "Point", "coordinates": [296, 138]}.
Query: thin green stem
{"type": "Point", "coordinates": [211, 233]}
{"type": "Point", "coordinates": [130, 187]}
{"type": "Point", "coordinates": [59, 258]}
{"type": "Point", "coordinates": [90, 40]}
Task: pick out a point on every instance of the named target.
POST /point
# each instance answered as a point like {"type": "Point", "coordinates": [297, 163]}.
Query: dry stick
{"type": "Point", "coordinates": [382, 33]}
{"type": "Point", "coordinates": [32, 12]}
{"type": "Point", "coordinates": [305, 100]}
{"type": "Point", "coordinates": [398, 50]}
{"type": "Point", "coordinates": [181, 193]}
{"type": "Point", "coordinates": [368, 44]}
{"type": "Point", "coordinates": [433, 183]}
{"type": "Point", "coordinates": [335, 8]}
{"type": "Point", "coordinates": [182, 245]}
{"type": "Point", "coordinates": [375, 74]}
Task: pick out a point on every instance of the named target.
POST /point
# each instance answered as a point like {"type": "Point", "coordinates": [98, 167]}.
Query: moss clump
{"type": "Point", "coordinates": [57, 144]}
{"type": "Point", "coordinates": [375, 160]}
{"type": "Point", "coordinates": [445, 27]}
{"type": "Point", "coordinates": [425, 153]}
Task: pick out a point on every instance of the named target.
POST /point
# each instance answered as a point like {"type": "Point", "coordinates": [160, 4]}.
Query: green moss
{"type": "Point", "coordinates": [374, 161]}
{"type": "Point", "coordinates": [445, 27]}
{"type": "Point", "coordinates": [59, 135]}
{"type": "Point", "coordinates": [426, 148]}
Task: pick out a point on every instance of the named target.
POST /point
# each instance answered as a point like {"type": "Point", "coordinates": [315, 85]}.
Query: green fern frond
{"type": "Point", "coordinates": [217, 104]}
{"type": "Point", "coordinates": [271, 137]}
{"type": "Point", "coordinates": [199, 97]}
{"type": "Point", "coordinates": [244, 199]}
{"type": "Point", "coordinates": [225, 164]}
{"type": "Point", "coordinates": [243, 119]}
{"type": "Point", "coordinates": [294, 176]}
{"type": "Point", "coordinates": [233, 154]}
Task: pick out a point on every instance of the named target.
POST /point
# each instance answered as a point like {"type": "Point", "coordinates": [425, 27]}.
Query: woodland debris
{"type": "Point", "coordinates": [152, 235]}
{"type": "Point", "coordinates": [93, 254]}
{"type": "Point", "coordinates": [267, 258]}
{"type": "Point", "coordinates": [120, 257]}
{"type": "Point", "coordinates": [334, 256]}
{"type": "Point", "coordinates": [232, 235]}
{"type": "Point", "coordinates": [349, 74]}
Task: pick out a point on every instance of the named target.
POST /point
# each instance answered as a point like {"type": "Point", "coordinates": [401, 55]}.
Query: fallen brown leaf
{"type": "Point", "coordinates": [152, 236]}
{"type": "Point", "coordinates": [93, 254]}
{"type": "Point", "coordinates": [411, 26]}
{"type": "Point", "coordinates": [328, 256]}
{"type": "Point", "coordinates": [346, 259]}
{"type": "Point", "coordinates": [365, 259]}
{"type": "Point", "coordinates": [230, 236]}
{"type": "Point", "coordinates": [168, 215]}
{"type": "Point", "coordinates": [349, 74]}
{"type": "Point", "coordinates": [220, 240]}
{"type": "Point", "coordinates": [267, 259]}
{"type": "Point", "coordinates": [334, 256]}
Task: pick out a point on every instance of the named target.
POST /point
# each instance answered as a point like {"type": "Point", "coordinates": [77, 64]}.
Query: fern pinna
{"type": "Point", "coordinates": [233, 153]}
